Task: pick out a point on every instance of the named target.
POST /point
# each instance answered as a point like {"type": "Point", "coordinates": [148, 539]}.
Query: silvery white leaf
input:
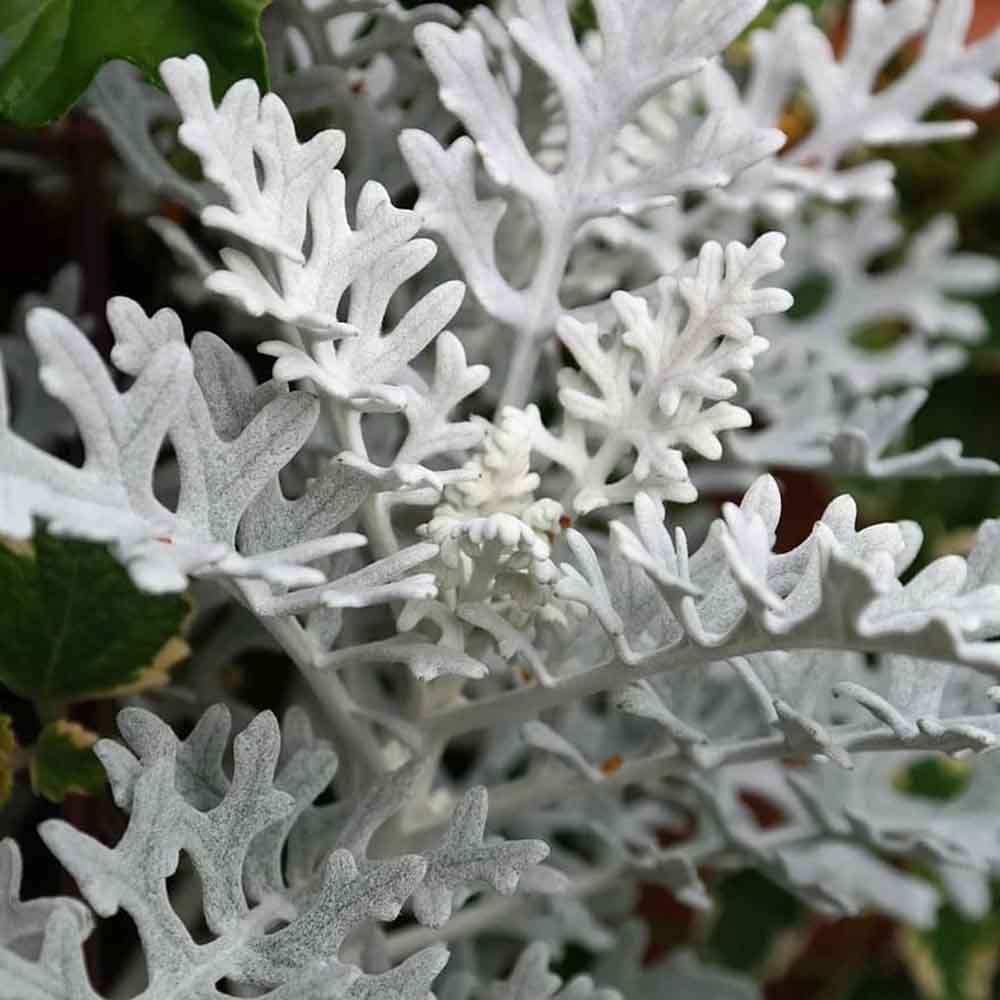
{"type": "Point", "coordinates": [180, 800]}
{"type": "Point", "coordinates": [530, 979]}
{"type": "Point", "coordinates": [661, 387]}
{"type": "Point", "coordinates": [464, 857]}
{"type": "Point", "coordinates": [576, 180]}
{"type": "Point", "coordinates": [26, 920]}
{"type": "Point", "coordinates": [128, 107]}
{"type": "Point", "coordinates": [680, 975]}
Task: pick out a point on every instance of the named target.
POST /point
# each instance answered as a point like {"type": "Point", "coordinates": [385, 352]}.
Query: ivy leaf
{"type": "Point", "coordinates": [73, 626]}
{"type": "Point", "coordinates": [8, 754]}
{"type": "Point", "coordinates": [64, 762]}
{"type": "Point", "coordinates": [51, 49]}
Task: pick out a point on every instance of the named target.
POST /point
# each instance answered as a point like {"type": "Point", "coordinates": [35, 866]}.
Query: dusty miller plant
{"type": "Point", "coordinates": [458, 504]}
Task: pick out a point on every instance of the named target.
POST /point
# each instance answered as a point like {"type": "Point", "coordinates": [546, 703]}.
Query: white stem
{"type": "Point", "coordinates": [525, 703]}
{"type": "Point", "coordinates": [374, 513]}
{"type": "Point", "coordinates": [365, 755]}
{"type": "Point", "coordinates": [556, 784]}
{"type": "Point", "coordinates": [494, 912]}
{"type": "Point", "coordinates": [541, 308]}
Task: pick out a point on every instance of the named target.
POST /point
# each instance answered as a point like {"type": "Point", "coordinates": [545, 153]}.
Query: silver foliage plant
{"type": "Point", "coordinates": [455, 505]}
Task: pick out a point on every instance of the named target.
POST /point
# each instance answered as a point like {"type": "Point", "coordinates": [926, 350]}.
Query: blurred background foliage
{"type": "Point", "coordinates": [755, 926]}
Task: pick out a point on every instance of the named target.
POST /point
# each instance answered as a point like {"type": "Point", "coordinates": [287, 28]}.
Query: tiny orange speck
{"type": "Point", "coordinates": [612, 763]}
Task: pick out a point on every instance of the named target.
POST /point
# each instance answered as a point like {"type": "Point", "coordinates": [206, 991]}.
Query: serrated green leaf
{"type": "Point", "coordinates": [51, 49]}
{"type": "Point", "coordinates": [74, 627]}
{"type": "Point", "coordinates": [8, 757]}
{"type": "Point", "coordinates": [64, 762]}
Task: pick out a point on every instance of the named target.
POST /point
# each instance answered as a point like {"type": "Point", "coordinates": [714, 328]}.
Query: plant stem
{"type": "Point", "coordinates": [364, 751]}
{"type": "Point", "coordinates": [492, 913]}
{"type": "Point", "coordinates": [525, 703]}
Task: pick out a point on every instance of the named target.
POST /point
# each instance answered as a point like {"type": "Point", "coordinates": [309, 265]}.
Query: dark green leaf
{"type": "Point", "coordinates": [51, 49]}
{"type": "Point", "coordinates": [939, 778]}
{"type": "Point", "coordinates": [751, 912]}
{"type": "Point", "coordinates": [583, 17]}
{"type": "Point", "coordinates": [956, 959]}
{"type": "Point", "coordinates": [8, 757]}
{"type": "Point", "coordinates": [64, 762]}
{"type": "Point", "coordinates": [73, 626]}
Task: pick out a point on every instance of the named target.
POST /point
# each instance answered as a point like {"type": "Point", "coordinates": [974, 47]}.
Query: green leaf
{"type": "Point", "coordinates": [583, 17]}
{"type": "Point", "coordinates": [956, 959]}
{"type": "Point", "coordinates": [74, 627]}
{"type": "Point", "coordinates": [51, 49]}
{"type": "Point", "coordinates": [750, 915]}
{"type": "Point", "coordinates": [8, 757]}
{"type": "Point", "coordinates": [939, 778]}
{"type": "Point", "coordinates": [64, 762]}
